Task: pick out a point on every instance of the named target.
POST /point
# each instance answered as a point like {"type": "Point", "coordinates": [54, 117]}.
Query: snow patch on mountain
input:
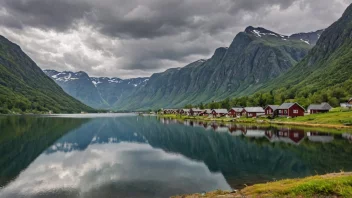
{"type": "Point", "coordinates": [305, 41]}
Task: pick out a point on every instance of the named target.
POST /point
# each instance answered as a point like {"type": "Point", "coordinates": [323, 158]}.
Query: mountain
{"type": "Point", "coordinates": [24, 87]}
{"type": "Point", "coordinates": [325, 73]}
{"type": "Point", "coordinates": [255, 56]}
{"type": "Point", "coordinates": [113, 89]}
{"type": "Point", "coordinates": [310, 38]}
{"type": "Point", "coordinates": [78, 85]}
{"type": "Point", "coordinates": [97, 92]}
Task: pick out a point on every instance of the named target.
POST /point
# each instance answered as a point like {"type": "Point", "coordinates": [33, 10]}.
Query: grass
{"type": "Point", "coordinates": [330, 185]}
{"type": "Point", "coordinates": [338, 119]}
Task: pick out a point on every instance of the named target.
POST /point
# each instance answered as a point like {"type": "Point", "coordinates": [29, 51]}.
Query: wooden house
{"type": "Point", "coordinates": [271, 109]}
{"type": "Point", "coordinates": [170, 111]}
{"type": "Point", "coordinates": [185, 111]}
{"type": "Point", "coordinates": [206, 112]}
{"type": "Point", "coordinates": [236, 112]}
{"type": "Point", "coordinates": [195, 112]}
{"type": "Point", "coordinates": [290, 110]}
{"type": "Point", "coordinates": [252, 112]}
{"type": "Point", "coordinates": [319, 108]}
{"type": "Point", "coordinates": [219, 112]}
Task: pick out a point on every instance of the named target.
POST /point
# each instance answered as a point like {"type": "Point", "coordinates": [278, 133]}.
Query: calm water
{"type": "Point", "coordinates": [130, 156]}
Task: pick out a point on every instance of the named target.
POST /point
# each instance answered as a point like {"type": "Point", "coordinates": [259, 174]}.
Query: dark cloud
{"type": "Point", "coordinates": [137, 37]}
{"type": "Point", "coordinates": [254, 5]}
{"type": "Point", "coordinates": [48, 14]}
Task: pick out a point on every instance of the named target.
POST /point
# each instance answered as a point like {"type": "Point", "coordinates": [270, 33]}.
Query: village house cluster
{"type": "Point", "coordinates": [283, 110]}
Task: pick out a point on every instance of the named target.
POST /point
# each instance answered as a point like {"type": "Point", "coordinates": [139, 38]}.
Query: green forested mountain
{"type": "Point", "coordinates": [255, 56]}
{"type": "Point", "coordinates": [324, 75]}
{"type": "Point", "coordinates": [25, 88]}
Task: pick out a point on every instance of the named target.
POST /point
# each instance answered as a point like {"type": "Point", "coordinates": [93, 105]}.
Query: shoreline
{"type": "Point", "coordinates": [329, 185]}
{"type": "Point", "coordinates": [259, 121]}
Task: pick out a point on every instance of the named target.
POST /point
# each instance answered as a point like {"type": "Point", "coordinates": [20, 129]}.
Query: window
{"type": "Point", "coordinates": [285, 111]}
{"type": "Point", "coordinates": [295, 111]}
{"type": "Point", "coordinates": [280, 111]}
{"type": "Point", "coordinates": [295, 135]}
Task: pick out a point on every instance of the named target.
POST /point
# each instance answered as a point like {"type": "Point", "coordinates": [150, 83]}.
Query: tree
{"type": "Point", "coordinates": [201, 106]}
{"type": "Point", "coordinates": [226, 104]}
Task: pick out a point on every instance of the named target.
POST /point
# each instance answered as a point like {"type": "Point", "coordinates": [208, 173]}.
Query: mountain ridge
{"type": "Point", "coordinates": [25, 88]}
{"type": "Point", "coordinates": [326, 68]}
{"type": "Point", "coordinates": [229, 72]}
{"type": "Point", "coordinates": [97, 92]}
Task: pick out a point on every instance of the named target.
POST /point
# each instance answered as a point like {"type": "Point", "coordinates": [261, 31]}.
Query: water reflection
{"type": "Point", "coordinates": [146, 157]}
{"type": "Point", "coordinates": [121, 170]}
{"type": "Point", "coordinates": [273, 134]}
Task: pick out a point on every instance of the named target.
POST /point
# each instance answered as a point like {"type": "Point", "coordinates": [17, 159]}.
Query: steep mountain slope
{"type": "Point", "coordinates": [327, 67]}
{"type": "Point", "coordinates": [97, 92]}
{"type": "Point", "coordinates": [254, 57]}
{"type": "Point", "coordinates": [25, 87]}
{"type": "Point", "coordinates": [112, 89]}
{"type": "Point", "coordinates": [78, 85]}
{"type": "Point", "coordinates": [309, 37]}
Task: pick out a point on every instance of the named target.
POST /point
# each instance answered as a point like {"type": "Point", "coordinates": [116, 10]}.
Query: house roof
{"type": "Point", "coordinates": [197, 110]}
{"type": "Point", "coordinates": [254, 109]}
{"type": "Point", "coordinates": [350, 100]}
{"type": "Point", "coordinates": [273, 107]}
{"type": "Point", "coordinates": [220, 110]}
{"type": "Point", "coordinates": [322, 106]}
{"type": "Point", "coordinates": [237, 109]}
{"type": "Point", "coordinates": [185, 110]}
{"type": "Point", "coordinates": [207, 111]}
{"type": "Point", "coordinates": [288, 105]}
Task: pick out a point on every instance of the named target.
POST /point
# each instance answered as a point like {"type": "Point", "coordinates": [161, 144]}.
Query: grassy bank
{"type": "Point", "coordinates": [338, 120]}
{"type": "Point", "coordinates": [330, 185]}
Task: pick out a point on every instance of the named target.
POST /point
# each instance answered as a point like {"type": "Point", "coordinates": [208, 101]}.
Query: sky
{"type": "Point", "coordinates": [136, 38]}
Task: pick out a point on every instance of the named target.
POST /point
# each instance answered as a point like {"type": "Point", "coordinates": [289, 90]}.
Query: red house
{"type": "Point", "coordinates": [270, 109]}
{"type": "Point", "coordinates": [290, 110]}
{"type": "Point", "coordinates": [236, 112]}
{"type": "Point", "coordinates": [319, 108]}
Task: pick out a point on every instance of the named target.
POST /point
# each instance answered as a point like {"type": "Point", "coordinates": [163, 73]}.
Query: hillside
{"type": "Point", "coordinates": [78, 85]}
{"type": "Point", "coordinates": [25, 88]}
{"type": "Point", "coordinates": [325, 73]}
{"type": "Point", "coordinates": [114, 89]}
{"type": "Point", "coordinates": [97, 92]}
{"type": "Point", "coordinates": [254, 57]}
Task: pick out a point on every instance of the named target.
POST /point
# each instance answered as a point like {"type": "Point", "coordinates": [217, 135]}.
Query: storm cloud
{"type": "Point", "coordinates": [139, 37]}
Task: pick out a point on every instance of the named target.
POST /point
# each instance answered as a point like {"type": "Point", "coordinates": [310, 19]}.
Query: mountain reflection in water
{"type": "Point", "coordinates": [149, 157]}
